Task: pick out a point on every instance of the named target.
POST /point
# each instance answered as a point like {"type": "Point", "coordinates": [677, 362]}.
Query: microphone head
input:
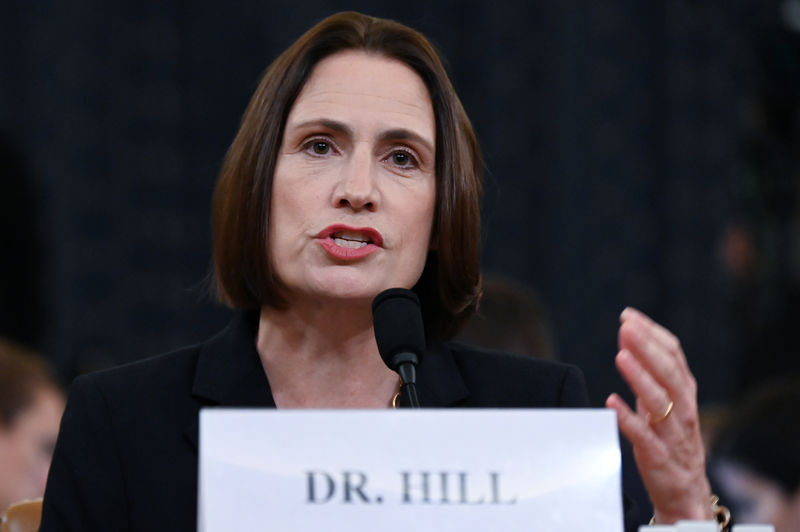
{"type": "Point", "coordinates": [397, 320]}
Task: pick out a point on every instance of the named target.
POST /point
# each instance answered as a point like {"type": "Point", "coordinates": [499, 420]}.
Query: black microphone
{"type": "Point", "coordinates": [397, 320]}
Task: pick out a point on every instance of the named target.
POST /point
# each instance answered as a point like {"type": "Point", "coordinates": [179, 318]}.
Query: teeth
{"type": "Point", "coordinates": [355, 244]}
{"type": "Point", "coordinates": [351, 235]}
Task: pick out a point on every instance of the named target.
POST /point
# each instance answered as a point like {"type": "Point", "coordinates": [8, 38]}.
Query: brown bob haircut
{"type": "Point", "coordinates": [449, 287]}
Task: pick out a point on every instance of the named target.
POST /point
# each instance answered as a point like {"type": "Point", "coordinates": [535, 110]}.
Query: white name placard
{"type": "Point", "coordinates": [400, 470]}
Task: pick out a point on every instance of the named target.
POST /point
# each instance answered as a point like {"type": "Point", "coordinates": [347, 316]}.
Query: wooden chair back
{"type": "Point", "coordinates": [23, 516]}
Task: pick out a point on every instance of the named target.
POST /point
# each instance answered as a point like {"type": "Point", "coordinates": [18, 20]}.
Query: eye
{"type": "Point", "coordinates": [403, 159]}
{"type": "Point", "coordinates": [320, 147]}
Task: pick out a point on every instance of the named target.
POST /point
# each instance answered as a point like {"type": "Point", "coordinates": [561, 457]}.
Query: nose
{"type": "Point", "coordinates": [357, 186]}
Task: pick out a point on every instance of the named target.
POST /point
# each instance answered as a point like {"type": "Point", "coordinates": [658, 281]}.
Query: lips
{"type": "Point", "coordinates": [349, 243]}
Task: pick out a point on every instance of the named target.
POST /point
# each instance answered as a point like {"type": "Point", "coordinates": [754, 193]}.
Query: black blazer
{"type": "Point", "coordinates": [126, 457]}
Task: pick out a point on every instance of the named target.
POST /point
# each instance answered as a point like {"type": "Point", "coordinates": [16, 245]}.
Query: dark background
{"type": "Point", "coordinates": [638, 153]}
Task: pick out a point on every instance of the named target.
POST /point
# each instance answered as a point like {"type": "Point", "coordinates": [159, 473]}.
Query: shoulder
{"type": "Point", "coordinates": [223, 369]}
{"type": "Point", "coordinates": [174, 370]}
{"type": "Point", "coordinates": [121, 429]}
{"type": "Point", "coordinates": [505, 379]}
{"type": "Point", "coordinates": [495, 360]}
{"type": "Point", "coordinates": [170, 372]}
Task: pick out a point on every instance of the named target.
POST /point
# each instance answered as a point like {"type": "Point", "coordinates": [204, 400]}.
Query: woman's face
{"type": "Point", "coordinates": [26, 447]}
{"type": "Point", "coordinates": [354, 189]}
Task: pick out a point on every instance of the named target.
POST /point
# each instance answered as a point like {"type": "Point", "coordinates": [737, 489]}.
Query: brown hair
{"type": "Point", "coordinates": [22, 375]}
{"type": "Point", "coordinates": [450, 283]}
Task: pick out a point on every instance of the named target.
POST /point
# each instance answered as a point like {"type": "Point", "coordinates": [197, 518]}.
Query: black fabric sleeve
{"type": "Point", "coordinates": [85, 488]}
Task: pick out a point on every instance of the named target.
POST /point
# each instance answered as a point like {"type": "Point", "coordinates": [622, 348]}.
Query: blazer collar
{"type": "Point", "coordinates": [229, 370]}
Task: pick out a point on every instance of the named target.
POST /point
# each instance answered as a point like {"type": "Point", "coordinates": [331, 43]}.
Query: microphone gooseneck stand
{"type": "Point", "coordinates": [406, 367]}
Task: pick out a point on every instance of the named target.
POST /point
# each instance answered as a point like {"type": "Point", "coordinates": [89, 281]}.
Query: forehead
{"type": "Point", "coordinates": [366, 89]}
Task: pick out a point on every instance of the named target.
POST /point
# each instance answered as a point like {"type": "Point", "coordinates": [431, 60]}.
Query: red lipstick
{"type": "Point", "coordinates": [349, 243]}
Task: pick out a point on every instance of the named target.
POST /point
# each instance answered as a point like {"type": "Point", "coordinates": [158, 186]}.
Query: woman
{"type": "Point", "coordinates": [355, 170]}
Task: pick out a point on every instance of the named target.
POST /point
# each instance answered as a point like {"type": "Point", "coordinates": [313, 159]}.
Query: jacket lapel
{"type": "Point", "coordinates": [229, 372]}
{"type": "Point", "coordinates": [439, 380]}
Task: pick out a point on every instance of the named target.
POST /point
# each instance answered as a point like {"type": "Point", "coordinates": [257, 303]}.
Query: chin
{"type": "Point", "coordinates": [356, 291]}
{"type": "Point", "coordinates": [345, 284]}
{"type": "Point", "coordinates": [345, 288]}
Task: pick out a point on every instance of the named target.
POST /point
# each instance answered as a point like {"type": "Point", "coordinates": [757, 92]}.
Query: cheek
{"type": "Point", "coordinates": [284, 211]}
{"type": "Point", "coordinates": [420, 228]}
{"type": "Point", "coordinates": [295, 200]}
{"type": "Point", "coordinates": [423, 235]}
{"type": "Point", "coordinates": [428, 214]}
{"type": "Point", "coordinates": [15, 460]}
{"type": "Point", "coordinates": [8, 452]}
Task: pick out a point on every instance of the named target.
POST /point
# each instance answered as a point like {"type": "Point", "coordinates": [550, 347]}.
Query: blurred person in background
{"type": "Point", "coordinates": [31, 404]}
{"type": "Point", "coordinates": [760, 246]}
{"type": "Point", "coordinates": [755, 460]}
{"type": "Point", "coordinates": [510, 318]}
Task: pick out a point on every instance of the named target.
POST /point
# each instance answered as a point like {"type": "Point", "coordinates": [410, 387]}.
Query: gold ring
{"type": "Point", "coordinates": [664, 416]}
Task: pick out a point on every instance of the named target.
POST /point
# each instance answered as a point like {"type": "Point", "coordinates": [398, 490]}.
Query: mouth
{"type": "Point", "coordinates": [347, 243]}
{"type": "Point", "coordinates": [353, 241]}
{"type": "Point", "coordinates": [352, 237]}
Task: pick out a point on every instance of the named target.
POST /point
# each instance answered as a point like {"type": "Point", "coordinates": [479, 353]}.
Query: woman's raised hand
{"type": "Point", "coordinates": [665, 428]}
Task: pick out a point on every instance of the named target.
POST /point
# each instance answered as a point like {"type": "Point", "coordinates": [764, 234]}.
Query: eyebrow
{"type": "Point", "coordinates": [405, 134]}
{"type": "Point", "coordinates": [334, 125]}
{"type": "Point", "coordinates": [388, 135]}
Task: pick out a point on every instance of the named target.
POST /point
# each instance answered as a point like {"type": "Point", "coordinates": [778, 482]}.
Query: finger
{"type": "Point", "coordinates": [651, 397]}
{"type": "Point", "coordinates": [660, 333]}
{"type": "Point", "coordinates": [640, 409]}
{"type": "Point", "coordinates": [674, 482]}
{"type": "Point", "coordinates": [658, 360]}
{"type": "Point", "coordinates": [656, 333]}
{"type": "Point", "coordinates": [636, 339]}
{"type": "Point", "coordinates": [647, 444]}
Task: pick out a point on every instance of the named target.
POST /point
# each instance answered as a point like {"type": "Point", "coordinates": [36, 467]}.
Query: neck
{"type": "Point", "coordinates": [324, 357]}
